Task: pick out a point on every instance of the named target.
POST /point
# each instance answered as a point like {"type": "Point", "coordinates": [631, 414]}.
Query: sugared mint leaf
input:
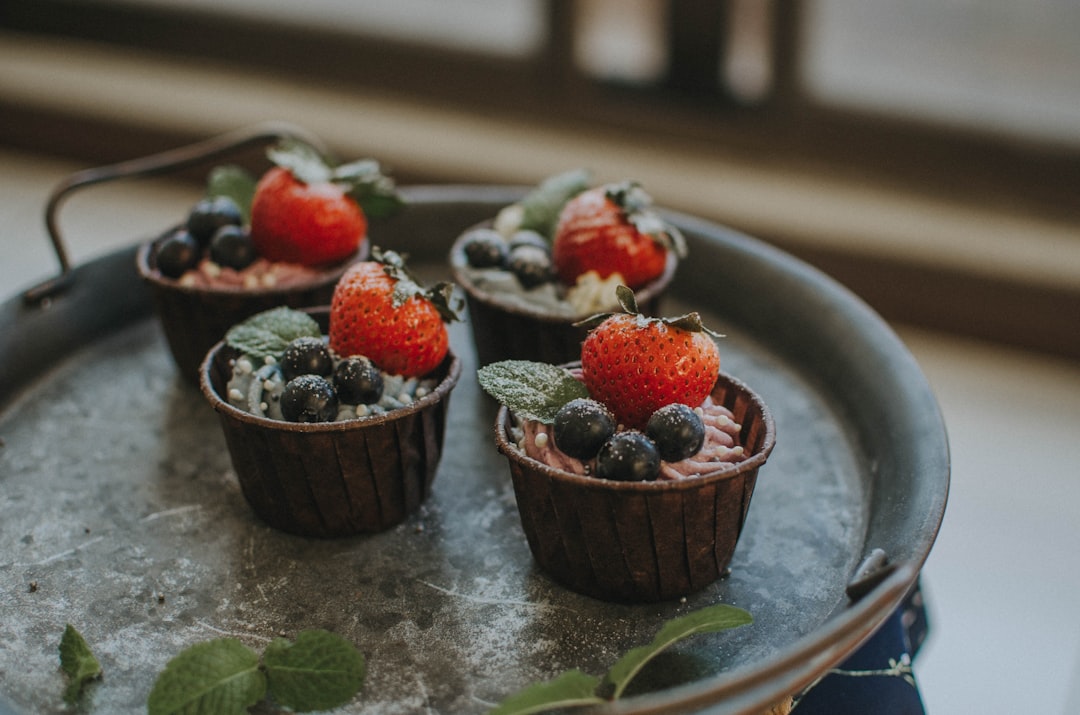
{"type": "Point", "coordinates": [706, 620]}
{"type": "Point", "coordinates": [306, 164]}
{"type": "Point", "coordinates": [319, 671]}
{"type": "Point", "coordinates": [269, 332]}
{"type": "Point", "coordinates": [234, 182]}
{"type": "Point", "coordinates": [77, 662]}
{"type": "Point", "coordinates": [541, 207]}
{"type": "Point", "coordinates": [216, 677]}
{"type": "Point", "coordinates": [533, 390]}
{"type": "Point", "coordinates": [572, 688]}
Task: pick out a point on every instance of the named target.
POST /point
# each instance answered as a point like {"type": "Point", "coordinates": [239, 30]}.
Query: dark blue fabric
{"type": "Point", "coordinates": [877, 679]}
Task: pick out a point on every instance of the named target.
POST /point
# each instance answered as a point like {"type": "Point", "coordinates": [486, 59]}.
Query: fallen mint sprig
{"type": "Point", "coordinates": [574, 688]}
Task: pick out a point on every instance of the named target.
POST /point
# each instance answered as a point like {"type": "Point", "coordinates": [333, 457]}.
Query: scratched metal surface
{"type": "Point", "coordinates": [120, 514]}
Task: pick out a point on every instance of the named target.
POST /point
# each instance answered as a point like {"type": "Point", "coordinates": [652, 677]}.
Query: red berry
{"type": "Point", "coordinates": [597, 231]}
{"type": "Point", "coordinates": [636, 365]}
{"type": "Point", "coordinates": [400, 328]}
{"type": "Point", "coordinates": [309, 223]}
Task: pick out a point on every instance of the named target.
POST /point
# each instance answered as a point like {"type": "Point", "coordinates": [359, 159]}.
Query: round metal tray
{"type": "Point", "coordinates": [121, 514]}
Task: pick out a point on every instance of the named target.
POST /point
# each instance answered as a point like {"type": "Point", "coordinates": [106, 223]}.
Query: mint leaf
{"type": "Point", "coordinates": [533, 390]}
{"type": "Point", "coordinates": [567, 690]}
{"type": "Point", "coordinates": [217, 677]}
{"type": "Point", "coordinates": [319, 671]}
{"type": "Point", "coordinates": [234, 182]}
{"type": "Point", "coordinates": [306, 164]}
{"type": "Point", "coordinates": [711, 619]}
{"type": "Point", "coordinates": [269, 332]}
{"type": "Point", "coordinates": [77, 662]}
{"type": "Point", "coordinates": [541, 207]}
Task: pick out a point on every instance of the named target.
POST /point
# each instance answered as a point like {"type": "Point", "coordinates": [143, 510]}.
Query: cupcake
{"type": "Point", "coordinates": [250, 245]}
{"type": "Point", "coordinates": [556, 257]}
{"type": "Point", "coordinates": [334, 417]}
{"type": "Point", "coordinates": [633, 469]}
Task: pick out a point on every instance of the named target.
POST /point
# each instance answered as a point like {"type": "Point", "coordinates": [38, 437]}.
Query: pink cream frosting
{"type": "Point", "coordinates": [721, 446]}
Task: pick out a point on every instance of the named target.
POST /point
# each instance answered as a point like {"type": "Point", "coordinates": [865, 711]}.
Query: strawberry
{"type": "Point", "coordinates": [611, 229]}
{"type": "Point", "coordinates": [305, 211]}
{"type": "Point", "coordinates": [378, 310]}
{"type": "Point", "coordinates": [635, 365]}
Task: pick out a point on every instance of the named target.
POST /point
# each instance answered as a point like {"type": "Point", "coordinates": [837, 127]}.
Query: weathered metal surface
{"type": "Point", "coordinates": [120, 513]}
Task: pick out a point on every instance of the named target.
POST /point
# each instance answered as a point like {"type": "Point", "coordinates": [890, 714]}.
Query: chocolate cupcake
{"type": "Point", "coordinates": [556, 257]}
{"type": "Point", "coordinates": [334, 433]}
{"type": "Point", "coordinates": [249, 246]}
{"type": "Point", "coordinates": [633, 470]}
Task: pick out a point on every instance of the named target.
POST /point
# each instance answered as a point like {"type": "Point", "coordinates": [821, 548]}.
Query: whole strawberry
{"type": "Point", "coordinates": [611, 229]}
{"type": "Point", "coordinates": [379, 311]}
{"type": "Point", "coordinates": [635, 365]}
{"type": "Point", "coordinates": [305, 211]}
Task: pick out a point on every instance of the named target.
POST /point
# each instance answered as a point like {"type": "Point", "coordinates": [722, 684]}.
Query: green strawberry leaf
{"type": "Point", "coordinates": [234, 182]}
{"type": "Point", "coordinates": [542, 206]}
{"type": "Point", "coordinates": [216, 677]}
{"type": "Point", "coordinates": [572, 688]}
{"type": "Point", "coordinates": [533, 390]}
{"type": "Point", "coordinates": [636, 204]}
{"type": "Point", "coordinates": [77, 662]}
{"type": "Point", "coordinates": [711, 619]}
{"type": "Point", "coordinates": [270, 332]}
{"type": "Point", "coordinates": [303, 160]}
{"type": "Point", "coordinates": [319, 671]}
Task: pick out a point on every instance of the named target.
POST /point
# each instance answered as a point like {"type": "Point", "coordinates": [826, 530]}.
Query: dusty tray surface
{"type": "Point", "coordinates": [121, 514]}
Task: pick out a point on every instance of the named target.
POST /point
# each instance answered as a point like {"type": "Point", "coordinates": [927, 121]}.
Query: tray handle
{"type": "Point", "coordinates": [154, 164]}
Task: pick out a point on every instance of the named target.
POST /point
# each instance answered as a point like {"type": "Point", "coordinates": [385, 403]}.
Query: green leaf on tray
{"type": "Point", "coordinates": [542, 206]}
{"type": "Point", "coordinates": [572, 688]}
{"type": "Point", "coordinates": [77, 662]}
{"type": "Point", "coordinates": [235, 182]}
{"type": "Point", "coordinates": [216, 677]}
{"type": "Point", "coordinates": [710, 619]}
{"type": "Point", "coordinates": [319, 671]}
{"type": "Point", "coordinates": [534, 390]}
{"type": "Point", "coordinates": [269, 332]}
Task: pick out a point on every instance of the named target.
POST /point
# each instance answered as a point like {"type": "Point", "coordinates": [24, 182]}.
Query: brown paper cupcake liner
{"type": "Point", "coordinates": [195, 318]}
{"type": "Point", "coordinates": [637, 542]}
{"type": "Point", "coordinates": [335, 478]}
{"type": "Point", "coordinates": [503, 331]}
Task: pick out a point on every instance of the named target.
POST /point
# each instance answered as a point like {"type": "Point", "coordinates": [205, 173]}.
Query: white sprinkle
{"type": "Point", "coordinates": [269, 280]}
{"type": "Point", "coordinates": [363, 410]}
{"type": "Point", "coordinates": [235, 394]}
{"type": "Point", "coordinates": [187, 280]}
{"type": "Point", "coordinates": [251, 282]}
{"type": "Point", "coordinates": [405, 398]}
{"type": "Point", "coordinates": [263, 406]}
{"type": "Point", "coordinates": [244, 366]}
{"type": "Point", "coordinates": [541, 439]}
{"type": "Point", "coordinates": [268, 384]}
{"type": "Point", "coordinates": [421, 391]}
{"type": "Point", "coordinates": [737, 451]}
{"type": "Point", "coordinates": [699, 411]}
{"type": "Point", "coordinates": [211, 269]}
{"type": "Point", "coordinates": [270, 360]}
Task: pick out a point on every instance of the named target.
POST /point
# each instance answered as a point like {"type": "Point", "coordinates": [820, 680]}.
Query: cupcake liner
{"type": "Point", "coordinates": [195, 318]}
{"type": "Point", "coordinates": [638, 542]}
{"type": "Point", "coordinates": [503, 331]}
{"type": "Point", "coordinates": [335, 478]}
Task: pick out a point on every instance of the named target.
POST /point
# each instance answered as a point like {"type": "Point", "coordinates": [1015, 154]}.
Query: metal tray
{"type": "Point", "coordinates": [120, 513]}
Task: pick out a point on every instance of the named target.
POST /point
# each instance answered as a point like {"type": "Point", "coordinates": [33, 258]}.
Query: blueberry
{"type": "Point", "coordinates": [358, 381]}
{"type": "Point", "coordinates": [177, 253]}
{"type": "Point", "coordinates": [232, 247]}
{"type": "Point", "coordinates": [628, 457]}
{"type": "Point", "coordinates": [484, 248]}
{"type": "Point", "coordinates": [677, 431]}
{"type": "Point", "coordinates": [531, 265]}
{"type": "Point", "coordinates": [210, 214]}
{"type": "Point", "coordinates": [306, 356]}
{"type": "Point", "coordinates": [526, 237]}
{"type": "Point", "coordinates": [581, 426]}
{"type": "Point", "coordinates": [309, 398]}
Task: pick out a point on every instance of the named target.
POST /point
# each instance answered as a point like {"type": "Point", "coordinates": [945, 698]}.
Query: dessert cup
{"type": "Point", "coordinates": [503, 330]}
{"type": "Point", "coordinates": [194, 318]}
{"type": "Point", "coordinates": [638, 542]}
{"type": "Point", "coordinates": [333, 479]}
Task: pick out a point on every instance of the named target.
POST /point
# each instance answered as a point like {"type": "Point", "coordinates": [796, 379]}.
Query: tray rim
{"type": "Point", "coordinates": [744, 689]}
